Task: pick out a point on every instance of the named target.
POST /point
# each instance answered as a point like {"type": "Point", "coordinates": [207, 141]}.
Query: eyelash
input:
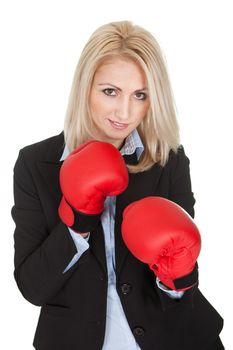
{"type": "Point", "coordinates": [108, 89]}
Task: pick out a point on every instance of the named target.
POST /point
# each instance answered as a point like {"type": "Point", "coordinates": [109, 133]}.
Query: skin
{"type": "Point", "coordinates": [119, 94]}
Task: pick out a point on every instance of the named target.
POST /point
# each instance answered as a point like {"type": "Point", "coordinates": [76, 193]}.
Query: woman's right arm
{"type": "Point", "coordinates": [41, 255]}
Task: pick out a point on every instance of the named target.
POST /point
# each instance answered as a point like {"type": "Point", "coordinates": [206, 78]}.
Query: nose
{"type": "Point", "coordinates": [123, 110]}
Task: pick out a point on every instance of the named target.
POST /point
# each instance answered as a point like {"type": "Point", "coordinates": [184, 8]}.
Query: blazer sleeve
{"type": "Point", "coordinates": [81, 244]}
{"type": "Point", "coordinates": [41, 255]}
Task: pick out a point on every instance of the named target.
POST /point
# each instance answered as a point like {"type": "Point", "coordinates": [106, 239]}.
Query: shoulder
{"type": "Point", "coordinates": [49, 149]}
{"type": "Point", "coordinates": [180, 180]}
{"type": "Point", "coordinates": [177, 155]}
{"type": "Point", "coordinates": [178, 167]}
{"type": "Point", "coordinates": [177, 159]}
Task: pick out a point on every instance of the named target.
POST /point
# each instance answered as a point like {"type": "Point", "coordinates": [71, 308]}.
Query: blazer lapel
{"type": "Point", "coordinates": [97, 247]}
{"type": "Point", "coordinates": [50, 175]}
{"type": "Point", "coordinates": [49, 167]}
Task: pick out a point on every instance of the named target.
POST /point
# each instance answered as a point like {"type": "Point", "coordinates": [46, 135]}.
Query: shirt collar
{"type": "Point", "coordinates": [132, 143]}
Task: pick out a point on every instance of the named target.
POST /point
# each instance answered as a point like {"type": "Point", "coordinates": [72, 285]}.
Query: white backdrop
{"type": "Point", "coordinates": [40, 45]}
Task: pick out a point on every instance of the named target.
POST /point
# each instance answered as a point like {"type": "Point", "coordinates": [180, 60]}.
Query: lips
{"type": "Point", "coordinates": [117, 125]}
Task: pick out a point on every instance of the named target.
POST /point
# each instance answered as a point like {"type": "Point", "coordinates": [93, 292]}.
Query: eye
{"type": "Point", "coordinates": [109, 92]}
{"type": "Point", "coordinates": [141, 96]}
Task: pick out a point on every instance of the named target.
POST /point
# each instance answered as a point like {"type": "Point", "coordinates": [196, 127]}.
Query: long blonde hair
{"type": "Point", "coordinates": [159, 129]}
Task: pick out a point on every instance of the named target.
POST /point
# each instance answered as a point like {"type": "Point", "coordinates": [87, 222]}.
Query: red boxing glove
{"type": "Point", "coordinates": [91, 172]}
{"type": "Point", "coordinates": [160, 233]}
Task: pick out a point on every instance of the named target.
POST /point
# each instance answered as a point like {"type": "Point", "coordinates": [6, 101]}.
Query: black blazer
{"type": "Point", "coordinates": [74, 303]}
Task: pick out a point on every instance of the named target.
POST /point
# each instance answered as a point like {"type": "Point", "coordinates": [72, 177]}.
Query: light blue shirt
{"type": "Point", "coordinates": [118, 335]}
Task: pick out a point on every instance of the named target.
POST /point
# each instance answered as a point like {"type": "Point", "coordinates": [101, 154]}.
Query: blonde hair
{"type": "Point", "coordinates": [159, 129]}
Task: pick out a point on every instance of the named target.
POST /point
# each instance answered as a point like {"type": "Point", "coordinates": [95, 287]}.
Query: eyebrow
{"type": "Point", "coordinates": [143, 89]}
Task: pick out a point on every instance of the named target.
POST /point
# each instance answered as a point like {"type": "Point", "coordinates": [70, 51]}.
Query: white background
{"type": "Point", "coordinates": [40, 46]}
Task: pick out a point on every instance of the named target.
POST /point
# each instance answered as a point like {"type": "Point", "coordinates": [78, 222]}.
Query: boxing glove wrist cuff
{"type": "Point", "coordinates": [187, 281]}
{"type": "Point", "coordinates": [83, 222]}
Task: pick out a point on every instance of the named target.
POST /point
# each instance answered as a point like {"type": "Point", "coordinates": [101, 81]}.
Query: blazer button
{"type": "Point", "coordinates": [125, 288]}
{"type": "Point", "coordinates": [138, 331]}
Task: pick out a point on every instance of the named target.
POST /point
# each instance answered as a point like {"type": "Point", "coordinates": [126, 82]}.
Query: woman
{"type": "Point", "coordinates": [70, 257]}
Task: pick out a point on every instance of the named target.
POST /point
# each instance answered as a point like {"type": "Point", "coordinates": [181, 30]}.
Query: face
{"type": "Point", "coordinates": [118, 100]}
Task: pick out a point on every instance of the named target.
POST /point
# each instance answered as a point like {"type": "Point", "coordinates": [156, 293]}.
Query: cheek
{"type": "Point", "coordinates": [141, 113]}
{"type": "Point", "coordinates": [99, 106]}
{"type": "Point", "coordinates": [146, 108]}
{"type": "Point", "coordinates": [94, 104]}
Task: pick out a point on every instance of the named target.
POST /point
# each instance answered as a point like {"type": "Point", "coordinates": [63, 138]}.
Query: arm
{"type": "Point", "coordinates": [174, 239]}
{"type": "Point", "coordinates": [41, 255]}
{"type": "Point", "coordinates": [180, 193]}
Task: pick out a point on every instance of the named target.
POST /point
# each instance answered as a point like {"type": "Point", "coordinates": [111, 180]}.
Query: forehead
{"type": "Point", "coordinates": [120, 68]}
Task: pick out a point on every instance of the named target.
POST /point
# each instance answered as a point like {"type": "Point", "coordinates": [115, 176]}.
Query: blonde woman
{"type": "Point", "coordinates": [120, 144]}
